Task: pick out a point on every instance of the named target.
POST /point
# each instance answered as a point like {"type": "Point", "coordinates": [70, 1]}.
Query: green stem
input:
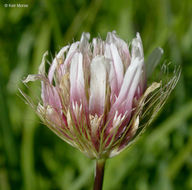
{"type": "Point", "coordinates": [99, 173]}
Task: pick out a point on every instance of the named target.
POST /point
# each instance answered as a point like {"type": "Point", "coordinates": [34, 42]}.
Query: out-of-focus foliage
{"type": "Point", "coordinates": [31, 156]}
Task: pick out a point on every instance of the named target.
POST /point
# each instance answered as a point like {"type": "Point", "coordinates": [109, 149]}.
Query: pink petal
{"type": "Point", "coordinates": [55, 63]}
{"type": "Point", "coordinates": [98, 47]}
{"type": "Point", "coordinates": [123, 102]}
{"type": "Point", "coordinates": [137, 51]}
{"type": "Point", "coordinates": [116, 70]}
{"type": "Point", "coordinates": [121, 46]}
{"type": "Point", "coordinates": [117, 66]}
{"type": "Point", "coordinates": [71, 52]}
{"type": "Point", "coordinates": [51, 97]}
{"type": "Point", "coordinates": [77, 86]}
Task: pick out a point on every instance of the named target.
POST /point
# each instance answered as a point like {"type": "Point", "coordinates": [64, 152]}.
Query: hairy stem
{"type": "Point", "coordinates": [99, 173]}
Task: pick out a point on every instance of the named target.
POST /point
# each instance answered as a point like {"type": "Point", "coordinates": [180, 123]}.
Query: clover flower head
{"type": "Point", "coordinates": [96, 96]}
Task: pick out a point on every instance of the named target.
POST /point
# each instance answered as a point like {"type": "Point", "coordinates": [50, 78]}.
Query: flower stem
{"type": "Point", "coordinates": [99, 173]}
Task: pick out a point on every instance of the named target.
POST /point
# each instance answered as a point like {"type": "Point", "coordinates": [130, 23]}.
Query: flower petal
{"type": "Point", "coordinates": [84, 42]}
{"type": "Point", "coordinates": [32, 78]}
{"type": "Point", "coordinates": [60, 55]}
{"type": "Point", "coordinates": [77, 84]}
{"type": "Point", "coordinates": [134, 85]}
{"type": "Point", "coordinates": [71, 52]}
{"type": "Point", "coordinates": [97, 86]}
{"type": "Point", "coordinates": [123, 104]}
{"type": "Point", "coordinates": [137, 47]}
{"type": "Point", "coordinates": [116, 70]}
{"type": "Point", "coordinates": [137, 52]}
{"type": "Point", "coordinates": [117, 66]}
{"type": "Point", "coordinates": [121, 46]}
{"type": "Point", "coordinates": [42, 65]}
{"type": "Point", "coordinates": [51, 97]}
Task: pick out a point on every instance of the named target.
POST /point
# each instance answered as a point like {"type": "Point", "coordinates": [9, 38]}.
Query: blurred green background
{"type": "Point", "coordinates": [31, 156]}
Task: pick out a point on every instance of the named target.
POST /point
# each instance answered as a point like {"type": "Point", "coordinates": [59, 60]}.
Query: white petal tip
{"type": "Point", "coordinates": [138, 35]}
{"type": "Point", "coordinates": [85, 35]}
{"type": "Point", "coordinates": [30, 78]}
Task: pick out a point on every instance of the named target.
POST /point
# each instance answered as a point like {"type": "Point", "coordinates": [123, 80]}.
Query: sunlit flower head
{"type": "Point", "coordinates": [96, 96]}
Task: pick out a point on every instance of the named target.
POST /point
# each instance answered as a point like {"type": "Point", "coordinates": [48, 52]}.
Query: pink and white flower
{"type": "Point", "coordinates": [95, 96]}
